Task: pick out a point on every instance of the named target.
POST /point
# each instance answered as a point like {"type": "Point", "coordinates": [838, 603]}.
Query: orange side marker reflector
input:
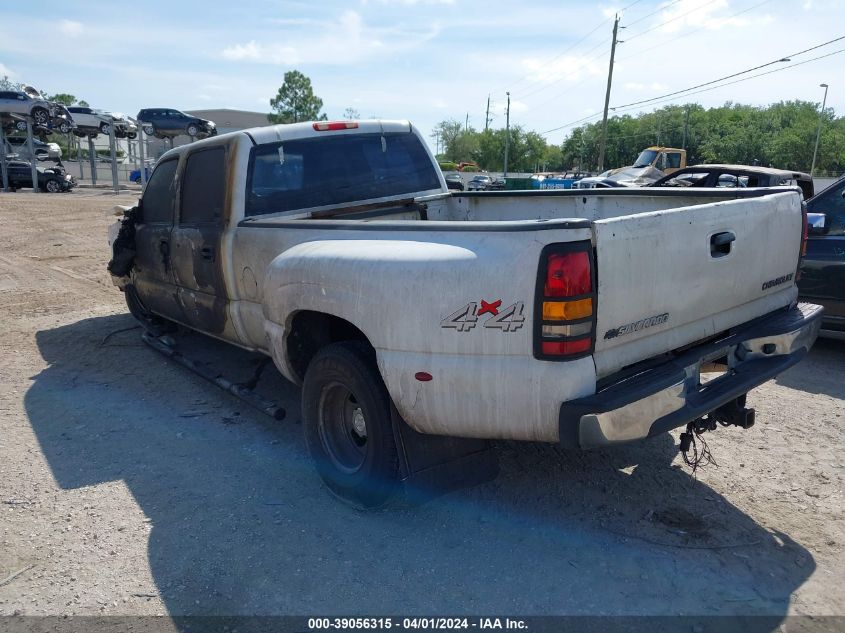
{"type": "Point", "coordinates": [567, 310]}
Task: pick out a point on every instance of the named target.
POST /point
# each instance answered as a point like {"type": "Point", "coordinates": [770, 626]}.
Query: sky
{"type": "Point", "coordinates": [428, 60]}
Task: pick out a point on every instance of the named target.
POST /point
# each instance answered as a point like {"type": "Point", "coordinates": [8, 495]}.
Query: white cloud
{"type": "Point", "coordinates": [698, 13]}
{"type": "Point", "coordinates": [345, 41]}
{"type": "Point", "coordinates": [250, 51]}
{"type": "Point", "coordinates": [517, 106]}
{"type": "Point", "coordinates": [70, 28]}
{"type": "Point", "coordinates": [633, 85]}
{"type": "Point", "coordinates": [569, 68]}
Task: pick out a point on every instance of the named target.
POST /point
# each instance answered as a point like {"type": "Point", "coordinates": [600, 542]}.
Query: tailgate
{"type": "Point", "coordinates": [669, 278]}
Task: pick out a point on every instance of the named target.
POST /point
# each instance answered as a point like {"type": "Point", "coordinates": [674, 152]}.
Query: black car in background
{"type": "Point", "coordinates": [736, 176]}
{"type": "Point", "coordinates": [167, 122]}
{"type": "Point", "coordinates": [823, 267]}
{"type": "Point", "coordinates": [50, 179]}
{"type": "Point", "coordinates": [453, 180]}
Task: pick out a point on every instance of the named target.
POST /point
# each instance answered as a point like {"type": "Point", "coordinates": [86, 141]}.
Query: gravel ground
{"type": "Point", "coordinates": [130, 486]}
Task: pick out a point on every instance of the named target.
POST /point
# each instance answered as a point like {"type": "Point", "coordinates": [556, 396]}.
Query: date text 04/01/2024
{"type": "Point", "coordinates": [416, 623]}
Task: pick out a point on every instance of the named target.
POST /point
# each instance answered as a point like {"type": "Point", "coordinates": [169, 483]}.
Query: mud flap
{"type": "Point", "coordinates": [434, 465]}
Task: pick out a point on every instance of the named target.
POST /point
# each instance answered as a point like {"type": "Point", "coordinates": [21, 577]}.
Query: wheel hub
{"type": "Point", "coordinates": [343, 428]}
{"type": "Point", "coordinates": [359, 424]}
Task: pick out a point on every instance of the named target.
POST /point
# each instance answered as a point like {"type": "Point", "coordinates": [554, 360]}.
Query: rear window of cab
{"type": "Point", "coordinates": [338, 169]}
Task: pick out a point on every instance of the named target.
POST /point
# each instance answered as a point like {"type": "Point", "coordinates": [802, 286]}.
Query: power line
{"type": "Point", "coordinates": [525, 78]}
{"type": "Point", "coordinates": [688, 33]}
{"type": "Point", "coordinates": [645, 17]}
{"type": "Point", "coordinates": [559, 79]}
{"type": "Point", "coordinates": [743, 72]}
{"type": "Point", "coordinates": [657, 26]}
{"type": "Point", "coordinates": [584, 62]}
{"type": "Point", "coordinates": [570, 48]}
{"type": "Point", "coordinates": [670, 95]}
{"type": "Point", "coordinates": [736, 81]}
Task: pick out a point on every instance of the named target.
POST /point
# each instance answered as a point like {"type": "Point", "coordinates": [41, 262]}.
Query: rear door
{"type": "Point", "coordinates": [823, 269]}
{"type": "Point", "coordinates": [153, 272]}
{"type": "Point", "coordinates": [669, 278]}
{"type": "Point", "coordinates": [197, 262]}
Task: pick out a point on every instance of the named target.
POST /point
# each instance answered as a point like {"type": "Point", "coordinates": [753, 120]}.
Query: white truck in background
{"type": "Point", "coordinates": [413, 316]}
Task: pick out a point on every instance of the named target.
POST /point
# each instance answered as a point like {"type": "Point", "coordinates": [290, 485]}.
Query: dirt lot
{"type": "Point", "coordinates": [130, 486]}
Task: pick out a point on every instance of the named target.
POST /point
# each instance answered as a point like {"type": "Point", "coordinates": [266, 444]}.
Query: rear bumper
{"type": "Point", "coordinates": [670, 395]}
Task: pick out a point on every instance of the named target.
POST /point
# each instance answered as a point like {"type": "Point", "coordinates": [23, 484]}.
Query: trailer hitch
{"type": "Point", "coordinates": [734, 413]}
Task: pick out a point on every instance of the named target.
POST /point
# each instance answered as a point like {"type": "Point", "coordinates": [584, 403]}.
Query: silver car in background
{"type": "Point", "coordinates": [19, 102]}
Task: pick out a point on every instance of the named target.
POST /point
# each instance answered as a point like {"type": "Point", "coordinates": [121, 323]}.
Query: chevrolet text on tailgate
{"type": "Point", "coordinates": [412, 316]}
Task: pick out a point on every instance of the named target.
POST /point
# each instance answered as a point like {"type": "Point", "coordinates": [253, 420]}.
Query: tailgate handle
{"type": "Point", "coordinates": [720, 244]}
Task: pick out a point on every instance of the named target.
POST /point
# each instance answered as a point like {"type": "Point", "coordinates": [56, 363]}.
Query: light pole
{"type": "Point", "coordinates": [819, 132]}
{"type": "Point", "coordinates": [507, 134]}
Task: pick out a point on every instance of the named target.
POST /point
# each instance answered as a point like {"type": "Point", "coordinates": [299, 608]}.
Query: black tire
{"type": "Point", "coordinates": [138, 180]}
{"type": "Point", "coordinates": [343, 389]}
{"type": "Point", "coordinates": [192, 129]}
{"type": "Point", "coordinates": [149, 130]}
{"type": "Point", "coordinates": [131, 135]}
{"type": "Point", "coordinates": [40, 116]}
{"type": "Point", "coordinates": [20, 126]}
{"type": "Point", "coordinates": [51, 185]}
{"type": "Point", "coordinates": [105, 128]}
{"type": "Point", "coordinates": [64, 127]}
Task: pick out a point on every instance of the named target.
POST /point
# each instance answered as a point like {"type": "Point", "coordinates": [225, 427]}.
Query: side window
{"type": "Point", "coordinates": [204, 187]}
{"type": "Point", "coordinates": [160, 194]}
{"type": "Point", "coordinates": [673, 160]}
{"type": "Point", "coordinates": [832, 204]}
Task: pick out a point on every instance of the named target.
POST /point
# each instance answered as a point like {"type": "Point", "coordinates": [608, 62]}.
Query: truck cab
{"type": "Point", "coordinates": [666, 159]}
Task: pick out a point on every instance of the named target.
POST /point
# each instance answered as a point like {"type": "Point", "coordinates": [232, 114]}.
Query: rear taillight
{"type": "Point", "coordinates": [565, 304]}
{"type": "Point", "coordinates": [324, 126]}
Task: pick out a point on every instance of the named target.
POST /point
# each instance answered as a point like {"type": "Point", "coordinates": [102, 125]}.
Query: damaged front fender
{"type": "Point", "coordinates": [122, 243]}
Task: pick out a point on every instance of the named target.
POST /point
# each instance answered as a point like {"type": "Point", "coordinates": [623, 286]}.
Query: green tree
{"type": "Point", "coordinates": [8, 84]}
{"type": "Point", "coordinates": [351, 114]}
{"type": "Point", "coordinates": [83, 103]}
{"type": "Point", "coordinates": [63, 98]}
{"type": "Point", "coordinates": [295, 101]}
{"type": "Point", "coordinates": [445, 134]}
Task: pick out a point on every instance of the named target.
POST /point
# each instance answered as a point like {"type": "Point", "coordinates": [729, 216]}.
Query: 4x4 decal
{"type": "Point", "coordinates": [507, 319]}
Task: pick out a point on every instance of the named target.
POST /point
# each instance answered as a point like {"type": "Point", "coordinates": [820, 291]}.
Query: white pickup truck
{"type": "Point", "coordinates": [411, 315]}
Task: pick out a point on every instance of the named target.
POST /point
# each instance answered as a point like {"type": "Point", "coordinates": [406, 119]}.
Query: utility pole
{"type": "Point", "coordinates": [819, 133]}
{"type": "Point", "coordinates": [487, 117]}
{"type": "Point", "coordinates": [686, 127]}
{"type": "Point", "coordinates": [603, 142]}
{"type": "Point", "coordinates": [581, 158]}
{"type": "Point", "coordinates": [466, 124]}
{"type": "Point", "coordinates": [507, 134]}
